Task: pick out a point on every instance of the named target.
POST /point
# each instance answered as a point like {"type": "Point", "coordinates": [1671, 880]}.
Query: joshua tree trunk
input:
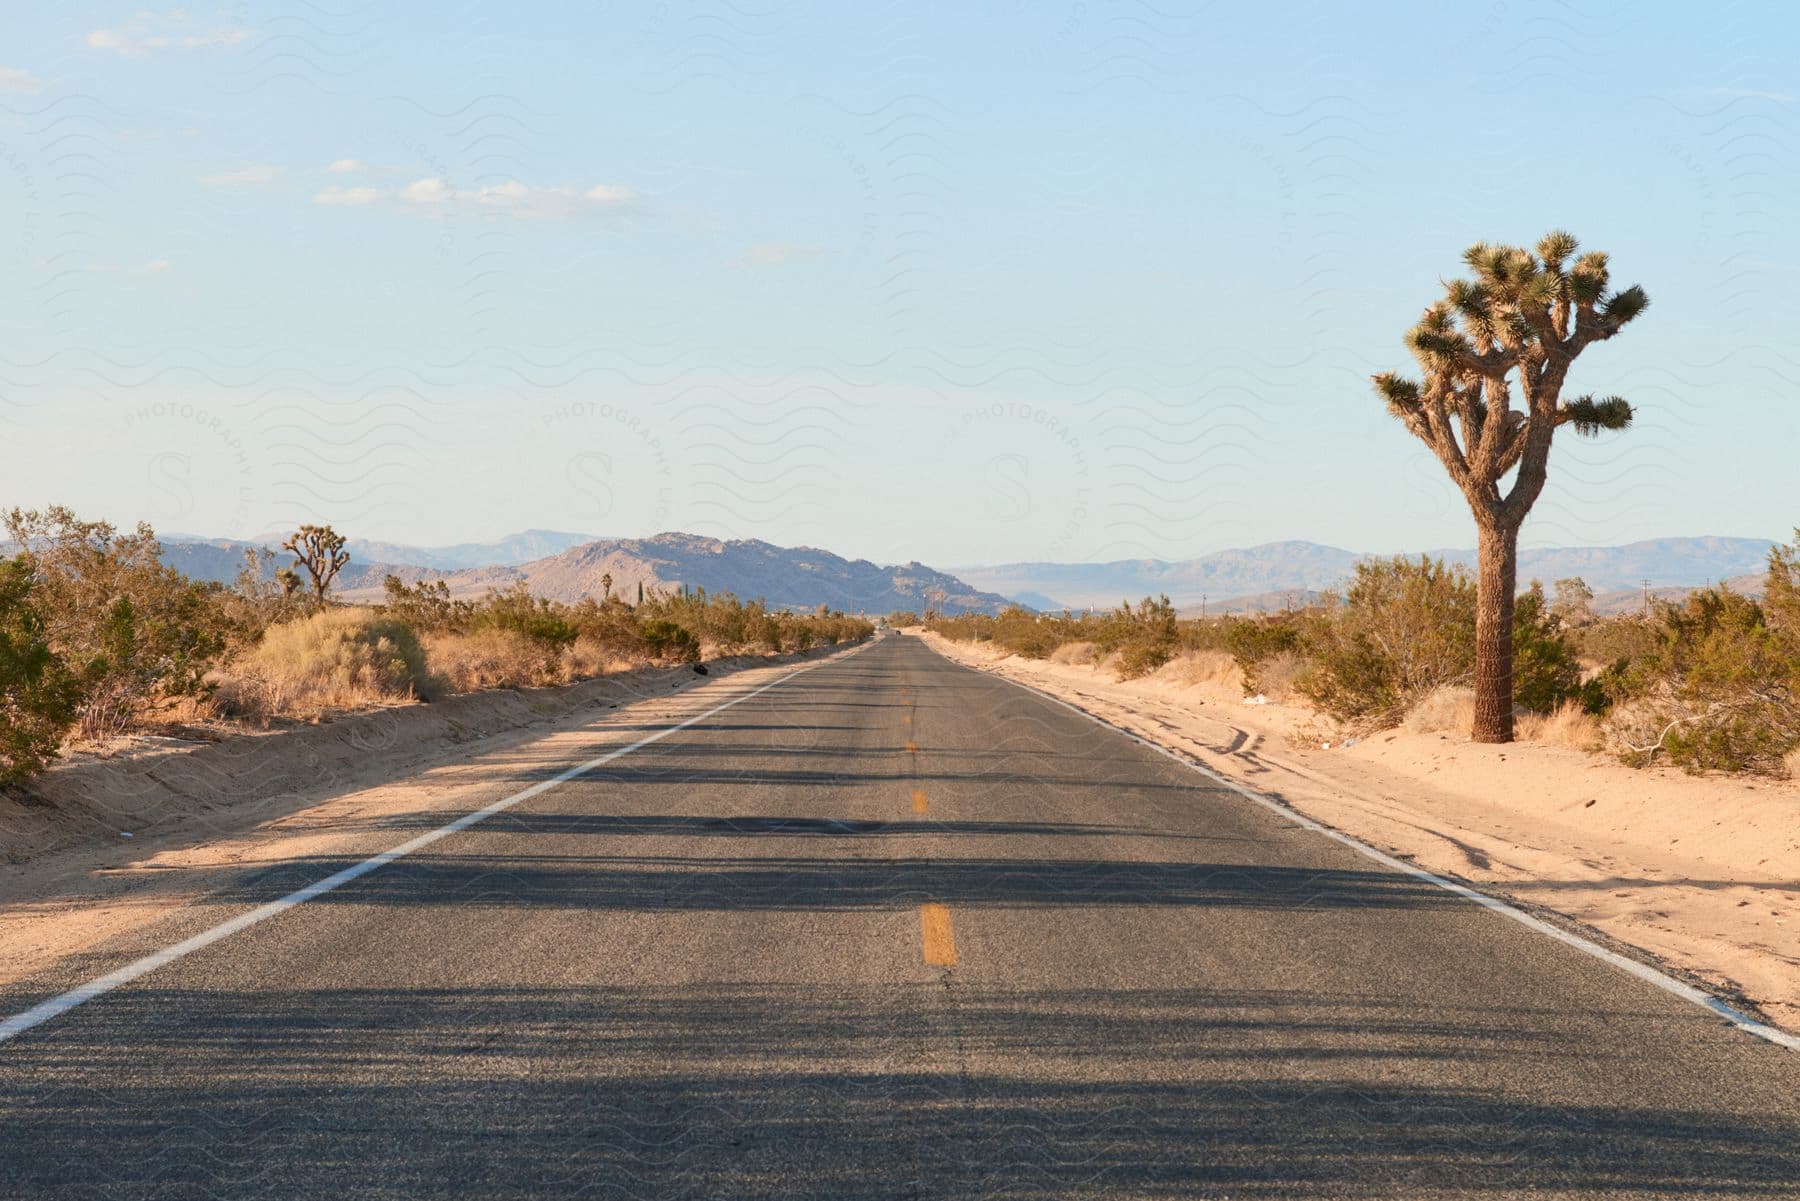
{"type": "Point", "coordinates": [1496, 583]}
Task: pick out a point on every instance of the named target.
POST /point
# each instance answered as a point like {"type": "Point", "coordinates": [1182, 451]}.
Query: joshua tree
{"type": "Point", "coordinates": [319, 549]}
{"type": "Point", "coordinates": [606, 585]}
{"type": "Point", "coordinates": [1520, 322]}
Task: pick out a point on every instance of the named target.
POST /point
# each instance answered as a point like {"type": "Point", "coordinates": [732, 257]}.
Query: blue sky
{"type": "Point", "coordinates": [964, 283]}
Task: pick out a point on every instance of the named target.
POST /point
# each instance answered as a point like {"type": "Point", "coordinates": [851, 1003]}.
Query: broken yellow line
{"type": "Point", "coordinates": [934, 928]}
{"type": "Point", "coordinates": [911, 745]}
{"type": "Point", "coordinates": [919, 802]}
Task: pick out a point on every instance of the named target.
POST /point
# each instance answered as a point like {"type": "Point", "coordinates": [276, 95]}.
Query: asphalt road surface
{"type": "Point", "coordinates": [893, 928]}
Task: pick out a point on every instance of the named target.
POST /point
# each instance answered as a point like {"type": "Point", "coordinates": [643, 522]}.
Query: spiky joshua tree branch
{"type": "Point", "coordinates": [1516, 327]}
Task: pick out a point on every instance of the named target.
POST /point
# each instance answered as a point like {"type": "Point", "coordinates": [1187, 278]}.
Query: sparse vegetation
{"type": "Point", "coordinates": [339, 659]}
{"type": "Point", "coordinates": [98, 637]}
{"type": "Point", "coordinates": [1709, 684]}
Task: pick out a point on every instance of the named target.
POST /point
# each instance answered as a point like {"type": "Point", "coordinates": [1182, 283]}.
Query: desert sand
{"type": "Point", "coordinates": [1703, 873]}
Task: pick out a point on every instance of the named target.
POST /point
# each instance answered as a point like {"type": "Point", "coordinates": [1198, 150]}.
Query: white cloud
{"type": "Point", "coordinates": [149, 32]}
{"type": "Point", "coordinates": [513, 199]}
{"type": "Point", "coordinates": [350, 197]}
{"type": "Point", "coordinates": [12, 79]}
{"type": "Point", "coordinates": [778, 254]}
{"type": "Point", "coordinates": [433, 196]}
{"type": "Point", "coordinates": [426, 191]}
{"type": "Point", "coordinates": [348, 166]}
{"type": "Point", "coordinates": [252, 175]}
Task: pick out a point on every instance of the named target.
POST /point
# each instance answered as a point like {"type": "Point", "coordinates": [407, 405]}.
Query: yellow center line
{"type": "Point", "coordinates": [911, 745]}
{"type": "Point", "coordinates": [934, 928]}
{"type": "Point", "coordinates": [919, 803]}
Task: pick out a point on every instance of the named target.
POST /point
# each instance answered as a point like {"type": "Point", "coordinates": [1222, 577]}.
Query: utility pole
{"type": "Point", "coordinates": [1646, 598]}
{"type": "Point", "coordinates": [1203, 606]}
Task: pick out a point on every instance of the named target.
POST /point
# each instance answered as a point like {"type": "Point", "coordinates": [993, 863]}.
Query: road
{"type": "Point", "coordinates": [893, 928]}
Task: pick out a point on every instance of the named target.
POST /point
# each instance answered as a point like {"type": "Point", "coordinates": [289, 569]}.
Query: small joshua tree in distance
{"type": "Point", "coordinates": [606, 586]}
{"type": "Point", "coordinates": [1520, 322]}
{"type": "Point", "coordinates": [320, 550]}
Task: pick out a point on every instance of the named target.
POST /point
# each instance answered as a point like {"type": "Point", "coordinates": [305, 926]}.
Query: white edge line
{"type": "Point", "coordinates": [1642, 971]}
{"type": "Point", "coordinates": [43, 1012]}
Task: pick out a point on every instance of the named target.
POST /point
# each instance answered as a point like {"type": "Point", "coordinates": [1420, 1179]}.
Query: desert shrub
{"type": "Point", "coordinates": [1189, 668]}
{"type": "Point", "coordinates": [1075, 653]}
{"type": "Point", "coordinates": [1546, 672]}
{"type": "Point", "coordinates": [492, 657]}
{"type": "Point", "coordinates": [132, 631]}
{"type": "Point", "coordinates": [1026, 634]}
{"type": "Point", "coordinates": [426, 605]}
{"type": "Point", "coordinates": [668, 642]}
{"type": "Point", "coordinates": [517, 610]}
{"type": "Point", "coordinates": [586, 658]}
{"type": "Point", "coordinates": [1139, 640]}
{"type": "Point", "coordinates": [1407, 627]}
{"type": "Point", "coordinates": [1607, 641]}
{"type": "Point", "coordinates": [1720, 690]}
{"type": "Point", "coordinates": [1278, 676]}
{"type": "Point", "coordinates": [38, 694]}
{"type": "Point", "coordinates": [335, 659]}
{"type": "Point", "coordinates": [1254, 642]}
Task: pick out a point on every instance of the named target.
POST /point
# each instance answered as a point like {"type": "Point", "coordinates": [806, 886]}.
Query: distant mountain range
{"type": "Point", "coordinates": [1264, 577]}
{"type": "Point", "coordinates": [1267, 576]}
{"type": "Point", "coordinates": [784, 577]}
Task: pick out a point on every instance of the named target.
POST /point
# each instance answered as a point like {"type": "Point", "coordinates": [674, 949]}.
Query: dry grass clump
{"type": "Point", "coordinates": [336, 660]}
{"type": "Point", "coordinates": [1448, 710]}
{"type": "Point", "coordinates": [493, 658]}
{"type": "Point", "coordinates": [586, 658]}
{"type": "Point", "coordinates": [1278, 676]}
{"type": "Point", "coordinates": [1191, 668]}
{"type": "Point", "coordinates": [1073, 654]}
{"type": "Point", "coordinates": [1569, 725]}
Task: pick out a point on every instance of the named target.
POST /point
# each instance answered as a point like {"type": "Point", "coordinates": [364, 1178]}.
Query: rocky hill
{"type": "Point", "coordinates": [785, 577]}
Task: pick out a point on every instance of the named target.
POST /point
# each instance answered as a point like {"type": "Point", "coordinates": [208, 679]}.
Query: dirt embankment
{"type": "Point", "coordinates": [1702, 872]}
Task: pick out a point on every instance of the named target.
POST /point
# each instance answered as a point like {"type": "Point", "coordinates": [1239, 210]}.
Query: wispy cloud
{"type": "Point", "coordinates": [251, 175]}
{"type": "Point", "coordinates": [149, 32]}
{"type": "Point", "coordinates": [347, 166]}
{"type": "Point", "coordinates": [435, 197]}
{"type": "Point", "coordinates": [350, 197]}
{"type": "Point", "coordinates": [777, 254]}
{"type": "Point", "coordinates": [13, 79]}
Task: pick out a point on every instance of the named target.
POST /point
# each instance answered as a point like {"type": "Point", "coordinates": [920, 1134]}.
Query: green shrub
{"type": "Point", "coordinates": [1720, 691]}
{"type": "Point", "coordinates": [38, 694]}
{"type": "Point", "coordinates": [1256, 641]}
{"type": "Point", "coordinates": [133, 631]}
{"type": "Point", "coordinates": [1545, 670]}
{"type": "Point", "coordinates": [671, 643]}
{"type": "Point", "coordinates": [1407, 628]}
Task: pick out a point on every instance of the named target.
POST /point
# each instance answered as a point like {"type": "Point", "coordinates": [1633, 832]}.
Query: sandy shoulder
{"type": "Point", "coordinates": [1702, 872]}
